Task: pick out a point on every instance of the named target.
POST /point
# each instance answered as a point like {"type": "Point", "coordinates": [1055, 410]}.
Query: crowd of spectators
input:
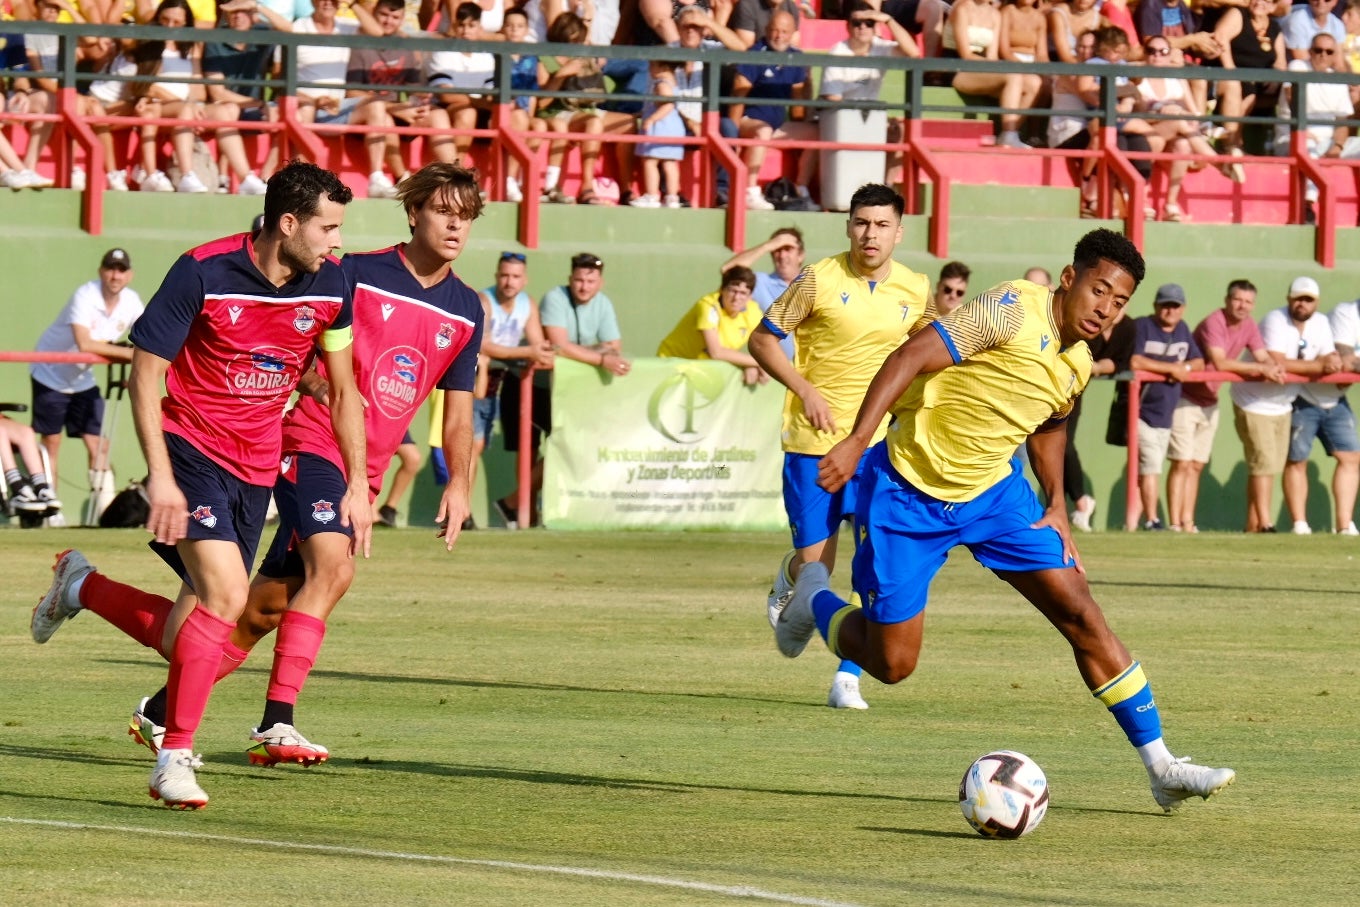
{"type": "Point", "coordinates": [452, 89]}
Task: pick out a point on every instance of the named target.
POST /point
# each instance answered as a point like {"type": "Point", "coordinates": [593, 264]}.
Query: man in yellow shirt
{"type": "Point", "coordinates": [718, 326]}
{"type": "Point", "coordinates": [846, 313]}
{"type": "Point", "coordinates": [1002, 369]}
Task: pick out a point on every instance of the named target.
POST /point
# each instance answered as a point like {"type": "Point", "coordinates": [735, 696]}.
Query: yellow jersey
{"type": "Point", "coordinates": [954, 431]}
{"type": "Point", "coordinates": [686, 339]}
{"type": "Point", "coordinates": [844, 327]}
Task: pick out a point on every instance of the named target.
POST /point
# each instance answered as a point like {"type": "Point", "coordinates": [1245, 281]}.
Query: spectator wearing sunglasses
{"type": "Point", "coordinates": [1303, 345]}
{"type": "Point", "coordinates": [952, 288]}
{"type": "Point", "coordinates": [1326, 104]}
{"type": "Point", "coordinates": [1308, 20]}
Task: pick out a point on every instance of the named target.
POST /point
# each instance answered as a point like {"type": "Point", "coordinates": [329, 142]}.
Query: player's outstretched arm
{"type": "Point", "coordinates": [1047, 448]}
{"type": "Point", "coordinates": [924, 352]}
{"type": "Point", "coordinates": [347, 422]}
{"type": "Point", "coordinates": [168, 519]}
{"type": "Point", "coordinates": [457, 443]}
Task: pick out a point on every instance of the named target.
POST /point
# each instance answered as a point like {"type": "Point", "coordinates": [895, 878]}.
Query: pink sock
{"type": "Point", "coordinates": [232, 658]}
{"type": "Point", "coordinates": [193, 665]}
{"type": "Point", "coordinates": [295, 652]}
{"type": "Point", "coordinates": [139, 614]}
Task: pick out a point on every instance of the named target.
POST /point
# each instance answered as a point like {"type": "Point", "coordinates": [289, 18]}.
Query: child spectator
{"type": "Point", "coordinates": [523, 77]}
{"type": "Point", "coordinates": [661, 119]}
{"type": "Point", "coordinates": [27, 494]}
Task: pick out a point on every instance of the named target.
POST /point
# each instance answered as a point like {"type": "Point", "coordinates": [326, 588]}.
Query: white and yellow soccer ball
{"type": "Point", "coordinates": [1004, 794]}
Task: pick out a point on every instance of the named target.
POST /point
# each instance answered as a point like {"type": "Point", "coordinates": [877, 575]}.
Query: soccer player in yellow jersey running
{"type": "Point", "coordinates": [1000, 370]}
{"type": "Point", "coordinates": [846, 314]}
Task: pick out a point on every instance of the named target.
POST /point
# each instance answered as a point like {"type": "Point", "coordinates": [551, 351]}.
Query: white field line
{"type": "Point", "coordinates": [736, 891]}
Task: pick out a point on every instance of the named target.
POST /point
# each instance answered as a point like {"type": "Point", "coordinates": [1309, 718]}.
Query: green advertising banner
{"type": "Point", "coordinates": [675, 444]}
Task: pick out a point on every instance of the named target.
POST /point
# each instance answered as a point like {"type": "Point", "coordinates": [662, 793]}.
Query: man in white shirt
{"type": "Point", "coordinates": [66, 394]}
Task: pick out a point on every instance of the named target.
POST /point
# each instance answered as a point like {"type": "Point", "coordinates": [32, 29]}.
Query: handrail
{"type": "Point", "coordinates": [1132, 495]}
{"type": "Point", "coordinates": [920, 159]}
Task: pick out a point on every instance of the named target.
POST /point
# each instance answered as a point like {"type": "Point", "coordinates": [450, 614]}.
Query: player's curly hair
{"type": "Point", "coordinates": [297, 190]}
{"type": "Point", "coordinates": [1110, 246]}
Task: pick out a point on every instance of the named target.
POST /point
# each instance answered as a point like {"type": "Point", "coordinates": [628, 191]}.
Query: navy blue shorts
{"type": "Point", "coordinates": [905, 536]}
{"type": "Point", "coordinates": [80, 413]}
{"type": "Point", "coordinates": [308, 494]}
{"type": "Point", "coordinates": [815, 514]}
{"type": "Point", "coordinates": [221, 506]}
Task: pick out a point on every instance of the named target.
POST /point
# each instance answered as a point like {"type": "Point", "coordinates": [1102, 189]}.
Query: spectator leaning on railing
{"type": "Point", "coordinates": [1222, 337]}
{"type": "Point", "coordinates": [718, 326]}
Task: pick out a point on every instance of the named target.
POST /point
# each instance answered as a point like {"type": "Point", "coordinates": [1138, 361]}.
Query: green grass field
{"type": "Point", "coordinates": [578, 719]}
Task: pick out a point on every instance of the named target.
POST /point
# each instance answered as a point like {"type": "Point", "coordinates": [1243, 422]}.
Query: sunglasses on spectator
{"type": "Point", "coordinates": [1325, 51]}
{"type": "Point", "coordinates": [862, 23]}
{"type": "Point", "coordinates": [1159, 51]}
{"type": "Point", "coordinates": [585, 260]}
{"type": "Point", "coordinates": [953, 291]}
{"type": "Point", "coordinates": [513, 256]}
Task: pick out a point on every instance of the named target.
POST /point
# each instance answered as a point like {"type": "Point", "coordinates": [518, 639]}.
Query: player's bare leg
{"type": "Point", "coordinates": [1118, 681]}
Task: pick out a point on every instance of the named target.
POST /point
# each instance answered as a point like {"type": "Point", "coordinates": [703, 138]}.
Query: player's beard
{"type": "Point", "coordinates": [298, 256]}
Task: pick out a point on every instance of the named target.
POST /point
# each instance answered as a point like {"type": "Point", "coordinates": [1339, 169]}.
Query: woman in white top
{"type": "Point", "coordinates": [1169, 94]}
{"type": "Point", "coordinates": [979, 22]}
{"type": "Point", "coordinates": [170, 100]}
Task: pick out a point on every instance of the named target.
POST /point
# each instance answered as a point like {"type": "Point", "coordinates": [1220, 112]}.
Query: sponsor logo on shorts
{"type": "Point", "coordinates": [323, 511]}
{"type": "Point", "coordinates": [204, 515]}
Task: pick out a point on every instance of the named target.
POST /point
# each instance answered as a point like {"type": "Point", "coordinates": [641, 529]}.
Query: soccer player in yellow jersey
{"type": "Point", "coordinates": [1003, 368]}
{"type": "Point", "coordinates": [846, 314]}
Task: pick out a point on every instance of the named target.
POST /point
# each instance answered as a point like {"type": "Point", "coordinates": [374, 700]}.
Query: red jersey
{"type": "Point", "coordinates": [408, 340]}
{"type": "Point", "coordinates": [237, 345]}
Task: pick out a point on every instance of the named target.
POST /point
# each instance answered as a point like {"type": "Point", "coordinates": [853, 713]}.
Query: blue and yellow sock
{"type": "Point", "coordinates": [1129, 699]}
{"type": "Point", "coordinates": [830, 609]}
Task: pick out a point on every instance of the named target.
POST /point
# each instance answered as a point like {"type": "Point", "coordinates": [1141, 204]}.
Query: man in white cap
{"type": "Point", "coordinates": [1320, 411]}
{"type": "Point", "coordinates": [65, 394]}
{"type": "Point", "coordinates": [1301, 341]}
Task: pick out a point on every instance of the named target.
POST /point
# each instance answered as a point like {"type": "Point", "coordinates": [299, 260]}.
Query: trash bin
{"type": "Point", "coordinates": [845, 171]}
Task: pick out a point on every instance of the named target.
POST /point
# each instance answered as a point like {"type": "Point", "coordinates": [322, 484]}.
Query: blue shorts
{"type": "Point", "coordinates": [308, 494]}
{"type": "Point", "coordinates": [81, 413]}
{"type": "Point", "coordinates": [816, 514]}
{"type": "Point", "coordinates": [1335, 427]}
{"type": "Point", "coordinates": [221, 506]}
{"type": "Point", "coordinates": [905, 536]}
{"type": "Point", "coordinates": [484, 413]}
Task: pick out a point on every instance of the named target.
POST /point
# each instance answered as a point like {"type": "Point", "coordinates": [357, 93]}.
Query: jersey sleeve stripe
{"type": "Point", "coordinates": [774, 328]}
{"type": "Point", "coordinates": [948, 342]}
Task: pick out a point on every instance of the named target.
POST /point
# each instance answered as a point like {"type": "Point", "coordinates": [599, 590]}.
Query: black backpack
{"type": "Point", "coordinates": [128, 509]}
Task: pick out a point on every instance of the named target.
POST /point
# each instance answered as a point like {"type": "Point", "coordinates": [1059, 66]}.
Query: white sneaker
{"type": "Point", "coordinates": [513, 193]}
{"type": "Point", "coordinates": [1179, 780]}
{"type": "Point", "coordinates": [283, 743]}
{"type": "Point", "coordinates": [155, 182]}
{"type": "Point", "coordinates": [25, 500]}
{"type": "Point", "coordinates": [252, 185]}
{"type": "Point", "coordinates": [646, 201]}
{"type": "Point", "coordinates": [78, 179]}
{"type": "Point", "coordinates": [796, 624]}
{"type": "Point", "coordinates": [35, 180]}
{"type": "Point", "coordinates": [13, 179]}
{"type": "Point", "coordinates": [756, 201]}
{"type": "Point", "coordinates": [1302, 528]}
{"type": "Point", "coordinates": [55, 520]}
{"type": "Point", "coordinates": [671, 201]}
{"type": "Point", "coordinates": [1349, 530]}
{"type": "Point", "coordinates": [190, 182]}
{"type": "Point", "coordinates": [56, 607]}
{"type": "Point", "coordinates": [781, 589]}
{"type": "Point", "coordinates": [46, 498]}
{"type": "Point", "coordinates": [379, 186]}
{"type": "Point", "coordinates": [145, 731]}
{"type": "Point", "coordinates": [173, 781]}
{"type": "Point", "coordinates": [845, 692]}
{"type": "Point", "coordinates": [116, 181]}
{"type": "Point", "coordinates": [1081, 517]}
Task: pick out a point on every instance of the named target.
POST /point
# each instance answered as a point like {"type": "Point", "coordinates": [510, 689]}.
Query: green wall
{"type": "Point", "coordinates": [656, 264]}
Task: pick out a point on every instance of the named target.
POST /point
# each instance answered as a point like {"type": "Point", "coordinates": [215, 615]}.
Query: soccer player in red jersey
{"type": "Point", "coordinates": [234, 326]}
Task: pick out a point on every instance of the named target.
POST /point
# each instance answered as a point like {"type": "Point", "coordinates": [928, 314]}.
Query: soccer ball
{"type": "Point", "coordinates": [1004, 794]}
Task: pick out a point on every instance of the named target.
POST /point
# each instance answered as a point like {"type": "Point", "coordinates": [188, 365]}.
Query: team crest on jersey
{"type": "Point", "coordinates": [305, 319]}
{"type": "Point", "coordinates": [204, 515]}
{"type": "Point", "coordinates": [445, 336]}
{"type": "Point", "coordinates": [323, 511]}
